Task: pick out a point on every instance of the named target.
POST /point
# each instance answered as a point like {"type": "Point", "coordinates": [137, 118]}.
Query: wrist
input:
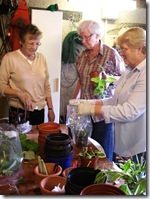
{"type": "Point", "coordinates": [50, 108]}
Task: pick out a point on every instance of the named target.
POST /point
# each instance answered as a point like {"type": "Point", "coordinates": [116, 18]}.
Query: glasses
{"type": "Point", "coordinates": [121, 50]}
{"type": "Point", "coordinates": [85, 37]}
{"type": "Point", "coordinates": [32, 44]}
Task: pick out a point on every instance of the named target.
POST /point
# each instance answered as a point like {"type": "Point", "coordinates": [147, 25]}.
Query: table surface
{"type": "Point", "coordinates": [31, 187]}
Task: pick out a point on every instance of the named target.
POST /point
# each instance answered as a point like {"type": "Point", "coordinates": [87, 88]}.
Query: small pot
{"type": "Point", "coordinates": [50, 168]}
{"type": "Point", "coordinates": [66, 171]}
{"type": "Point", "coordinates": [79, 178]}
{"type": "Point", "coordinates": [44, 130]}
{"type": "Point", "coordinates": [101, 189]}
{"type": "Point", "coordinates": [48, 127]}
{"type": "Point", "coordinates": [48, 184]}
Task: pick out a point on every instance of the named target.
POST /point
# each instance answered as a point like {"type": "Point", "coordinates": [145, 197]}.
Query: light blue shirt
{"type": "Point", "coordinates": [127, 109]}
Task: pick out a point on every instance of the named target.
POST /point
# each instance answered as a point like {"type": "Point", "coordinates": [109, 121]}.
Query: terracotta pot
{"type": "Point", "coordinates": [101, 189]}
{"type": "Point", "coordinates": [66, 171]}
{"type": "Point", "coordinates": [86, 162]}
{"type": "Point", "coordinates": [49, 127]}
{"type": "Point", "coordinates": [48, 183]}
{"type": "Point", "coordinates": [44, 130]}
{"type": "Point", "coordinates": [50, 167]}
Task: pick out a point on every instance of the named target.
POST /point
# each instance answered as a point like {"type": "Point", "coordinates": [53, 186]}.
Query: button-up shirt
{"type": "Point", "coordinates": [127, 108]}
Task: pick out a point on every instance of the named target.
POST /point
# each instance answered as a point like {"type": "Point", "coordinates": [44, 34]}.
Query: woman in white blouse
{"type": "Point", "coordinates": [127, 107]}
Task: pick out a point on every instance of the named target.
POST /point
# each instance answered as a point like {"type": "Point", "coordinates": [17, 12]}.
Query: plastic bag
{"type": "Point", "coordinates": [80, 126]}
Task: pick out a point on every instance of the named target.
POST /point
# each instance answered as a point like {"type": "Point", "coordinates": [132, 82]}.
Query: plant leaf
{"type": "Point", "coordinates": [126, 189]}
{"type": "Point", "coordinates": [113, 176]}
{"type": "Point", "coordinates": [95, 79]}
{"type": "Point", "coordinates": [111, 79]}
{"type": "Point", "coordinates": [140, 187]}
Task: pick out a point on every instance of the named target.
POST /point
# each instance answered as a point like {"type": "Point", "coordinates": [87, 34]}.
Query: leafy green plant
{"type": "Point", "coordinates": [10, 156]}
{"type": "Point", "coordinates": [28, 144]}
{"type": "Point", "coordinates": [102, 84]}
{"type": "Point", "coordinates": [91, 153]}
{"type": "Point", "coordinates": [133, 174]}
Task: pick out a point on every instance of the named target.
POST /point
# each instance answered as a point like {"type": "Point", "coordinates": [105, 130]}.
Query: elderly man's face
{"type": "Point", "coordinates": [88, 39]}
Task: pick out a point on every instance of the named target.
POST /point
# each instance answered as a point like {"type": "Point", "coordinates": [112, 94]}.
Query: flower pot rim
{"type": "Point", "coordinates": [52, 178]}
{"type": "Point", "coordinates": [98, 187]}
{"type": "Point", "coordinates": [59, 170]}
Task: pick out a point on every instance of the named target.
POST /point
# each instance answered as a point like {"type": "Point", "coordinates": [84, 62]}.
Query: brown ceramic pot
{"type": "Point", "coordinates": [48, 127]}
{"type": "Point", "coordinates": [44, 130]}
{"type": "Point", "coordinates": [48, 184]}
{"type": "Point", "coordinates": [50, 168]}
{"type": "Point", "coordinates": [101, 189]}
{"type": "Point", "coordinates": [66, 171]}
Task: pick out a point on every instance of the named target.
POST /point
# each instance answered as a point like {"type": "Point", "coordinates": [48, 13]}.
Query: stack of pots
{"type": "Point", "coordinates": [58, 149]}
{"type": "Point", "coordinates": [78, 179]}
{"type": "Point", "coordinates": [44, 130]}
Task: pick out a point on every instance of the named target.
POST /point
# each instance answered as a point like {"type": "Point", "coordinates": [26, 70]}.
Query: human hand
{"type": "Point", "coordinates": [89, 109]}
{"type": "Point", "coordinates": [26, 100]}
{"type": "Point", "coordinates": [85, 109]}
{"type": "Point", "coordinates": [83, 101]}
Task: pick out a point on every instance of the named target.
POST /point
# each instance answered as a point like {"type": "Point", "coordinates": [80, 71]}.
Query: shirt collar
{"type": "Point", "coordinates": [139, 67]}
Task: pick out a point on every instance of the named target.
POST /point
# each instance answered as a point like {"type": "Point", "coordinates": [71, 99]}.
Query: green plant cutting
{"type": "Point", "coordinates": [133, 174]}
{"type": "Point", "coordinates": [10, 160]}
{"type": "Point", "coordinates": [91, 153]}
{"type": "Point", "coordinates": [102, 85]}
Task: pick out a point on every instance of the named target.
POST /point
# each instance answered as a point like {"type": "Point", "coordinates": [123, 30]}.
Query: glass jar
{"type": "Point", "coordinates": [10, 155]}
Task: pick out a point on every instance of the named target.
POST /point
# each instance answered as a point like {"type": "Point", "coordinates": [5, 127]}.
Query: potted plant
{"type": "Point", "coordinates": [133, 174]}
{"type": "Point", "coordinates": [102, 83]}
{"type": "Point", "coordinates": [89, 157]}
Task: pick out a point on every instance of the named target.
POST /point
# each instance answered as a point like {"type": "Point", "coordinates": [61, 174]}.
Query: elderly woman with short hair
{"type": "Point", "coordinates": [127, 108]}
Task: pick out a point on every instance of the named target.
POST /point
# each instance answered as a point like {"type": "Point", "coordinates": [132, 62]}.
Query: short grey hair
{"type": "Point", "coordinates": [92, 26]}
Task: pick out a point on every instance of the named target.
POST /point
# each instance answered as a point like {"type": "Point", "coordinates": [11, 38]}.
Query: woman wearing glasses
{"type": "Point", "coordinates": [24, 80]}
{"type": "Point", "coordinates": [97, 57]}
{"type": "Point", "coordinates": [127, 107]}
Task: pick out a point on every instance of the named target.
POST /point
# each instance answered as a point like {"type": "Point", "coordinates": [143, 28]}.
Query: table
{"type": "Point", "coordinates": [31, 186]}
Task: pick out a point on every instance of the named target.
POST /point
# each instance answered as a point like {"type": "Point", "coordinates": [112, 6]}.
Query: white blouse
{"type": "Point", "coordinates": [127, 109]}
